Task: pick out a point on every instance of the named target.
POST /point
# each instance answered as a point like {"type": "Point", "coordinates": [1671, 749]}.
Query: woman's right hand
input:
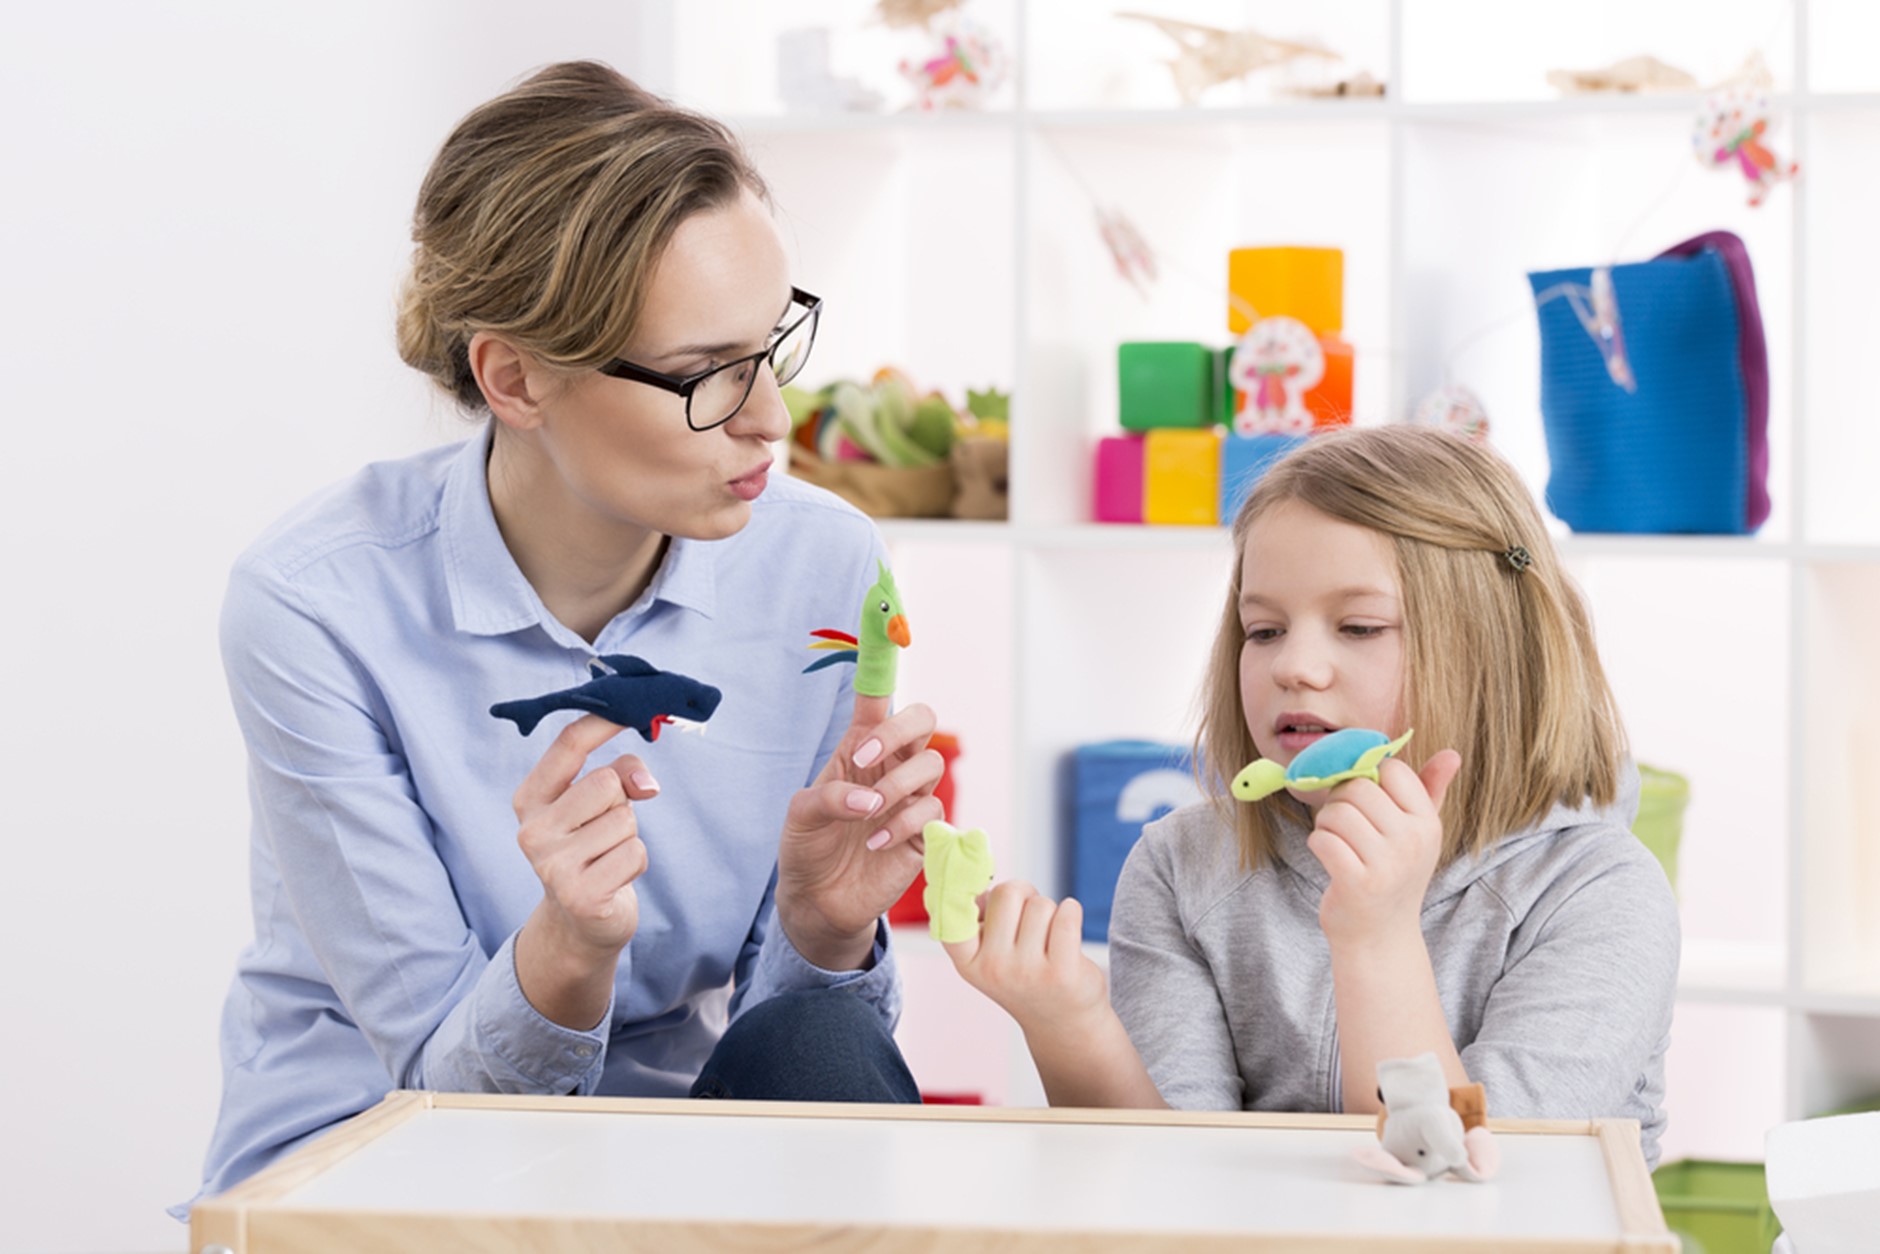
{"type": "Point", "coordinates": [1029, 958]}
{"type": "Point", "coordinates": [583, 842]}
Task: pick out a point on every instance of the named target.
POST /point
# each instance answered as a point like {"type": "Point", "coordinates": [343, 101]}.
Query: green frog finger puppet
{"type": "Point", "coordinates": [1352, 753]}
{"type": "Point", "coordinates": [959, 868]}
{"type": "Point", "coordinates": [875, 647]}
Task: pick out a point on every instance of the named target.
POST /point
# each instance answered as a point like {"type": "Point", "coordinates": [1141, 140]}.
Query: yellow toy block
{"type": "Point", "coordinates": [1181, 472]}
{"type": "Point", "coordinates": [1303, 283]}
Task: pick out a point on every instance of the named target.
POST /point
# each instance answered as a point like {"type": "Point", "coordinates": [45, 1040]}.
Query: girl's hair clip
{"type": "Point", "coordinates": [1518, 558]}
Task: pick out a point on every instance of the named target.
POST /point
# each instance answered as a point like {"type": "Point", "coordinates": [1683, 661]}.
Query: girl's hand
{"type": "Point", "coordinates": [1029, 958]}
{"type": "Point", "coordinates": [583, 842]}
{"type": "Point", "coordinates": [851, 841]}
{"type": "Point", "coordinates": [1380, 843]}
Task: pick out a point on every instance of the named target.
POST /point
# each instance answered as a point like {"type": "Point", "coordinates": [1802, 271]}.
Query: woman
{"type": "Point", "coordinates": [441, 903]}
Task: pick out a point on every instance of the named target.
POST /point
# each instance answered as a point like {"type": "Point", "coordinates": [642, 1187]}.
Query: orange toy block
{"type": "Point", "coordinates": [1181, 476]}
{"type": "Point", "coordinates": [1330, 402]}
{"type": "Point", "coordinates": [1303, 283]}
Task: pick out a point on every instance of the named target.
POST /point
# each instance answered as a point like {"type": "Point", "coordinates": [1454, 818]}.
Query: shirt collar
{"type": "Point", "coordinates": [489, 595]}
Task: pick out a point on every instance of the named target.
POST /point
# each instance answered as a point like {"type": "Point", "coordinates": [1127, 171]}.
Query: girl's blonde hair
{"type": "Point", "coordinates": [1499, 658]}
{"type": "Point", "coordinates": [544, 213]}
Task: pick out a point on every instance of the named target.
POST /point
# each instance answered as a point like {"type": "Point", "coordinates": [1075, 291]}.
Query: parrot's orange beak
{"type": "Point", "coordinates": [898, 632]}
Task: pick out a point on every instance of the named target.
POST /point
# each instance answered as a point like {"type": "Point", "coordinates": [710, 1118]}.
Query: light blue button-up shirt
{"type": "Point", "coordinates": [365, 637]}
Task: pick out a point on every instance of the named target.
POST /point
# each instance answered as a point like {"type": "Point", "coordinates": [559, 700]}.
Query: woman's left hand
{"type": "Point", "coordinates": [851, 841]}
{"type": "Point", "coordinates": [1380, 842]}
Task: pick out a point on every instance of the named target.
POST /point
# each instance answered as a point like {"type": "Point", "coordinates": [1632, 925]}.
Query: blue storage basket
{"type": "Point", "coordinates": [1672, 456]}
{"type": "Point", "coordinates": [1116, 787]}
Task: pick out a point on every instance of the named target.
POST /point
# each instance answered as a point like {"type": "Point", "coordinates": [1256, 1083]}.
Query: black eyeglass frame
{"type": "Point", "coordinates": [684, 386]}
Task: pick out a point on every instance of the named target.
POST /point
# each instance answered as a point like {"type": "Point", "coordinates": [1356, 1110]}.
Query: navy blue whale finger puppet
{"type": "Point", "coordinates": [625, 690]}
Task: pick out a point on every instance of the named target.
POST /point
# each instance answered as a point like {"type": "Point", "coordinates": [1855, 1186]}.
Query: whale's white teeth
{"type": "Point", "coordinates": [684, 724]}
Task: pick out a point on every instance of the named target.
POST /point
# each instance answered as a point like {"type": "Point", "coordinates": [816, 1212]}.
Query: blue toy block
{"type": "Point", "coordinates": [1244, 458]}
{"type": "Point", "coordinates": [1117, 786]}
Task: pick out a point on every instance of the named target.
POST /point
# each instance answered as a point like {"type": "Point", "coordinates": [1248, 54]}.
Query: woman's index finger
{"type": "Point", "coordinates": [563, 760]}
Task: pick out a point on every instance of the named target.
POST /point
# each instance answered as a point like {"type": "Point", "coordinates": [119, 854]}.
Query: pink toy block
{"type": "Point", "coordinates": [1118, 490]}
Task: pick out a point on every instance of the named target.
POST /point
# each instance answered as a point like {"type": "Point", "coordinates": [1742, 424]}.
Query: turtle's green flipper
{"type": "Point", "coordinates": [1260, 778]}
{"type": "Point", "coordinates": [1372, 758]}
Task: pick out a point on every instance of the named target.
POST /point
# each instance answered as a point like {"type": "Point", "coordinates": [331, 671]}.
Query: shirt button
{"type": "Point", "coordinates": [584, 1051]}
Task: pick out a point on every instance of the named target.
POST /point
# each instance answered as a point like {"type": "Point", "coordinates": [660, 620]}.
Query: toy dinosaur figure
{"type": "Point", "coordinates": [1352, 753]}
{"type": "Point", "coordinates": [1424, 1131]}
{"type": "Point", "coordinates": [625, 690]}
{"type": "Point", "coordinates": [959, 868]}
{"type": "Point", "coordinates": [884, 629]}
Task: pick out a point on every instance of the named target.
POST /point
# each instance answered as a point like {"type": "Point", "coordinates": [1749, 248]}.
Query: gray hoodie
{"type": "Point", "coordinates": [1556, 958]}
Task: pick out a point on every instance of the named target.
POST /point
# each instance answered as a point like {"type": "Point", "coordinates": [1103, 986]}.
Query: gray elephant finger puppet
{"type": "Point", "coordinates": [1428, 1128]}
{"type": "Point", "coordinates": [626, 690]}
{"type": "Point", "coordinates": [874, 647]}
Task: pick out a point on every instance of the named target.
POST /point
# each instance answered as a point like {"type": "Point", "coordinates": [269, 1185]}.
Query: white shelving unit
{"type": "Point", "coordinates": [963, 247]}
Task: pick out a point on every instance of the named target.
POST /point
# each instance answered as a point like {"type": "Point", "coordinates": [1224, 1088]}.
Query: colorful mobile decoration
{"type": "Point", "coordinates": [961, 73]}
{"type": "Point", "coordinates": [1730, 131]}
{"type": "Point", "coordinates": [1455, 409]}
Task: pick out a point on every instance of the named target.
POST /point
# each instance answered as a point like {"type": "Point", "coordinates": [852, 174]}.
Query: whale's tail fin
{"type": "Point", "coordinates": [525, 714]}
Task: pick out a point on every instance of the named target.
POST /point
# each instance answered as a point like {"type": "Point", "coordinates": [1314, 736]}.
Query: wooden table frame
{"type": "Point", "coordinates": [252, 1217]}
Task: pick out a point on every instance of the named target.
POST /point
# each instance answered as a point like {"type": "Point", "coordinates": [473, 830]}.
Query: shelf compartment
{"type": "Point", "coordinates": [1589, 189]}
{"type": "Point", "coordinates": [1716, 634]}
{"type": "Point", "coordinates": [1840, 742]}
{"type": "Point", "coordinates": [1841, 324]}
{"type": "Point", "coordinates": [1838, 1060]}
{"type": "Point", "coordinates": [1724, 1081]}
{"type": "Point", "coordinates": [1194, 194]}
{"type": "Point", "coordinates": [1444, 41]}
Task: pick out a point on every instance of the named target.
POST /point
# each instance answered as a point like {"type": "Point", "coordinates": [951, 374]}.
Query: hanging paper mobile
{"type": "Point", "coordinates": [961, 73]}
{"type": "Point", "coordinates": [1274, 365]}
{"type": "Point", "coordinates": [1455, 409]}
{"type": "Point", "coordinates": [1134, 259]}
{"type": "Point", "coordinates": [1730, 131]}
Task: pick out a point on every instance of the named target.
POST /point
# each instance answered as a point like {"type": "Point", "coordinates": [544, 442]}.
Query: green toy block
{"type": "Point", "coordinates": [1165, 384]}
{"type": "Point", "coordinates": [1717, 1207]}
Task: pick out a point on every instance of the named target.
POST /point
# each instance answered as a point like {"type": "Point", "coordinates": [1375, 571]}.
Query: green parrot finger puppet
{"type": "Point", "coordinates": [959, 868]}
{"type": "Point", "coordinates": [873, 649]}
{"type": "Point", "coordinates": [1353, 753]}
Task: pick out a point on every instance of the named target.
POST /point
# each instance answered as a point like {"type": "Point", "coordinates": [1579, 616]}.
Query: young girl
{"type": "Point", "coordinates": [442, 903]}
{"type": "Point", "coordinates": [1483, 899]}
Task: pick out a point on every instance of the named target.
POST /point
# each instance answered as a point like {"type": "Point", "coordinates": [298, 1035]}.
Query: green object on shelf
{"type": "Point", "coordinates": [1662, 796]}
{"type": "Point", "coordinates": [1717, 1207]}
{"type": "Point", "coordinates": [1166, 383]}
{"type": "Point", "coordinates": [1864, 1106]}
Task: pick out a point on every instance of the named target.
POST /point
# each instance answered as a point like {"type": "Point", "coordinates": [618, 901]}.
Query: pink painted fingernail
{"type": "Point", "coordinates": [644, 781]}
{"type": "Point", "coordinates": [878, 840]}
{"type": "Point", "coordinates": [869, 751]}
{"type": "Point", "coordinates": [862, 801]}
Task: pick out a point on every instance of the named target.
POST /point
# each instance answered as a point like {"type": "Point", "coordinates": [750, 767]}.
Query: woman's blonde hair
{"type": "Point", "coordinates": [1499, 658]}
{"type": "Point", "coordinates": [544, 213]}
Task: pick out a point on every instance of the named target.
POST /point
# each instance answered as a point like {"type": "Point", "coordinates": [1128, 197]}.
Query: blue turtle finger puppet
{"type": "Point", "coordinates": [1353, 753]}
{"type": "Point", "coordinates": [625, 690]}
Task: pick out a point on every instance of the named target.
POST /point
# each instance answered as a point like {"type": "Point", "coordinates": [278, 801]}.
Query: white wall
{"type": "Point", "coordinates": [204, 210]}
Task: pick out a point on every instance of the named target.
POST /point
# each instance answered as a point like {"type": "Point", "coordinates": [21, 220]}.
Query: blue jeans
{"type": "Point", "coordinates": [820, 1045]}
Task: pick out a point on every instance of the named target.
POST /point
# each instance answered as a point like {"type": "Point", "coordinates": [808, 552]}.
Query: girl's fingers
{"type": "Point", "coordinates": [1353, 829]}
{"type": "Point", "coordinates": [1034, 925]}
{"type": "Point", "coordinates": [1064, 945]}
{"type": "Point", "coordinates": [1438, 773]}
{"type": "Point", "coordinates": [1337, 857]}
{"type": "Point", "coordinates": [1004, 906]}
{"type": "Point", "coordinates": [561, 762]}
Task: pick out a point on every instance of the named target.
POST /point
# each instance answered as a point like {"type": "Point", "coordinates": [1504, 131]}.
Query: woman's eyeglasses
{"type": "Point", "coordinates": [714, 397]}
